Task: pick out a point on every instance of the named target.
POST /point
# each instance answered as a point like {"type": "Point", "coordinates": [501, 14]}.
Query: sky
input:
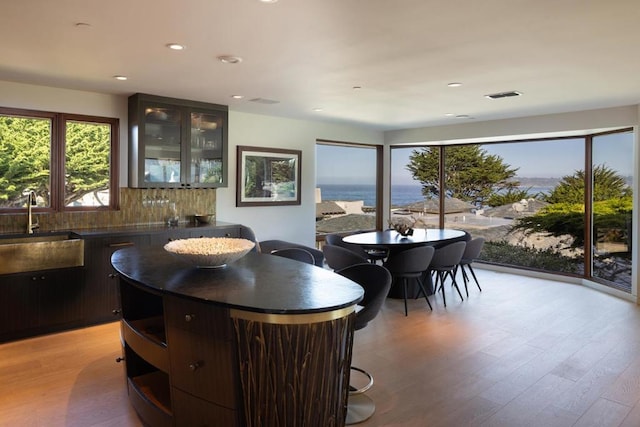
{"type": "Point", "coordinates": [540, 159]}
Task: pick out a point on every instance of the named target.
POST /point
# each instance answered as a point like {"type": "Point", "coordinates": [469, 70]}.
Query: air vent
{"type": "Point", "coordinates": [503, 95]}
{"type": "Point", "coordinates": [264, 101]}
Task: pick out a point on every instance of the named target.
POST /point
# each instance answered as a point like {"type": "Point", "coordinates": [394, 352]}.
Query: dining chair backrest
{"type": "Point", "coordinates": [472, 250]}
{"type": "Point", "coordinates": [376, 282]}
{"type": "Point", "coordinates": [247, 233]}
{"type": "Point", "coordinates": [297, 254]}
{"type": "Point", "coordinates": [338, 257]}
{"type": "Point", "coordinates": [412, 260]}
{"type": "Point", "coordinates": [448, 256]}
{"type": "Point", "coordinates": [336, 240]}
{"type": "Point", "coordinates": [268, 246]}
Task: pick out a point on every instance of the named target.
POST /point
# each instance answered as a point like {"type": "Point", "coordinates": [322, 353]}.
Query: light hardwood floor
{"type": "Point", "coordinates": [524, 352]}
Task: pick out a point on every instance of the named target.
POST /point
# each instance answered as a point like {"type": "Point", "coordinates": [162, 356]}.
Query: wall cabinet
{"type": "Point", "coordinates": [176, 143]}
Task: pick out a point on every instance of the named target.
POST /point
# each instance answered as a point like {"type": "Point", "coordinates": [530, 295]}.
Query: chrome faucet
{"type": "Point", "coordinates": [31, 201]}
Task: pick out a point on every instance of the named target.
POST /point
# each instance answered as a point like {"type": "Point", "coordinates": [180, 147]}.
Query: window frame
{"type": "Point", "coordinates": [588, 138]}
{"type": "Point", "coordinates": [379, 150]}
{"type": "Point", "coordinates": [57, 167]}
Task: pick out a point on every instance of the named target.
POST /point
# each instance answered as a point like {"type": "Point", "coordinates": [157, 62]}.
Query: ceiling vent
{"type": "Point", "coordinates": [264, 101]}
{"type": "Point", "coordinates": [503, 95]}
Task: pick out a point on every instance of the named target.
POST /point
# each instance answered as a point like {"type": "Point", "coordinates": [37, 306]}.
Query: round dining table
{"type": "Point", "coordinates": [395, 242]}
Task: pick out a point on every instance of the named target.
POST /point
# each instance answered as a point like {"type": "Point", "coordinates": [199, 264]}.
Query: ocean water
{"type": "Point", "coordinates": [401, 195]}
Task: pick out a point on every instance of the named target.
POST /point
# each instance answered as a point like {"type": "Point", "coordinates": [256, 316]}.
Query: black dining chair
{"type": "Point", "coordinates": [372, 253]}
{"type": "Point", "coordinates": [410, 264]}
{"type": "Point", "coordinates": [338, 257]}
{"type": "Point", "coordinates": [376, 282]}
{"type": "Point", "coordinates": [444, 264]}
{"type": "Point", "coordinates": [268, 246]}
{"type": "Point", "coordinates": [297, 254]}
{"type": "Point", "coordinates": [471, 253]}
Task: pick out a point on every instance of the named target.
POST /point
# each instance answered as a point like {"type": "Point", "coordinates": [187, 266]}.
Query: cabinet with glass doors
{"type": "Point", "coordinates": [175, 143]}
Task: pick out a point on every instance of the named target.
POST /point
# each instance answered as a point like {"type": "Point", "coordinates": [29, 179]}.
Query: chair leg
{"type": "Point", "coordinates": [440, 278]}
{"type": "Point", "coordinates": [404, 289]}
{"type": "Point", "coordinates": [465, 278]}
{"type": "Point", "coordinates": [455, 284]}
{"type": "Point", "coordinates": [423, 290]}
{"type": "Point", "coordinates": [474, 276]}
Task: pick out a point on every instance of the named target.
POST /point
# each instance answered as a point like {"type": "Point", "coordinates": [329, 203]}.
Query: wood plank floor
{"type": "Point", "coordinates": [524, 352]}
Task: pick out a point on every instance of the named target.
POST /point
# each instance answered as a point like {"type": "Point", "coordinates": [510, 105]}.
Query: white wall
{"type": "Point", "coordinates": [293, 223]}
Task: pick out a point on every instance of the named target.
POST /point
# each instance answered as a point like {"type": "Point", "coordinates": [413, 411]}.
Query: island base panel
{"type": "Point", "coordinates": [295, 375]}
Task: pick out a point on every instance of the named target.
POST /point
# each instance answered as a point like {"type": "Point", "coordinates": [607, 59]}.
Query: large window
{"type": "Point", "coordinates": [69, 161]}
{"type": "Point", "coordinates": [540, 204]}
{"type": "Point", "coordinates": [347, 187]}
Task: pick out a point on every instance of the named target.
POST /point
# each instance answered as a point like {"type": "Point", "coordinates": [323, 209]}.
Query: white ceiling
{"type": "Point", "coordinates": [563, 55]}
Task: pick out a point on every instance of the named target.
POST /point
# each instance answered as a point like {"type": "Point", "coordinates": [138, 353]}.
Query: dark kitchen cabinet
{"type": "Point", "coordinates": [40, 302]}
{"type": "Point", "coordinates": [175, 143]}
{"type": "Point", "coordinates": [101, 297]}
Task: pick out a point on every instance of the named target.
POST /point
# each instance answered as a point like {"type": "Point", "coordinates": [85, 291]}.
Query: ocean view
{"type": "Point", "coordinates": [401, 195]}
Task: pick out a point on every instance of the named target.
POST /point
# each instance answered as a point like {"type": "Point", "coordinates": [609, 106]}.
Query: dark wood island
{"type": "Point", "coordinates": [265, 341]}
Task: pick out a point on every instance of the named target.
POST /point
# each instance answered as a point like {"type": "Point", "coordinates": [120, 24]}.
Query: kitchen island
{"type": "Point", "coordinates": [265, 341]}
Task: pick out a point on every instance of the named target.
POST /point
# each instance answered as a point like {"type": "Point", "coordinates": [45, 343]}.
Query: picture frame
{"type": "Point", "coordinates": [268, 176]}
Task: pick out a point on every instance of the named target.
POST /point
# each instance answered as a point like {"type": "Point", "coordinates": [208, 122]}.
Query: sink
{"type": "Point", "coordinates": [41, 251]}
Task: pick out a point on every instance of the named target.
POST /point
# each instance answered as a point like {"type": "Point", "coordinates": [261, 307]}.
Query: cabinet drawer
{"type": "Point", "coordinates": [192, 411]}
{"type": "Point", "coordinates": [201, 352]}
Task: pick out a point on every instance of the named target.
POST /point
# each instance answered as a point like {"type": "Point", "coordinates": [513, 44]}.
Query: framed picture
{"type": "Point", "coordinates": [268, 176]}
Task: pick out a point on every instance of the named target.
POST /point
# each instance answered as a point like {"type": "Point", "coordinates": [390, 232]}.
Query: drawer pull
{"type": "Point", "coordinates": [120, 359]}
{"type": "Point", "coordinates": [189, 317]}
{"type": "Point", "coordinates": [116, 311]}
{"type": "Point", "coordinates": [195, 365]}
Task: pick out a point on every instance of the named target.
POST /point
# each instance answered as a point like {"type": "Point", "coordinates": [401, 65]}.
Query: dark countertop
{"type": "Point", "coordinates": [257, 282]}
{"type": "Point", "coordinates": [147, 229]}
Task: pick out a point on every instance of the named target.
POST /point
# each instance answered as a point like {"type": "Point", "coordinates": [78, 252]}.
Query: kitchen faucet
{"type": "Point", "coordinates": [31, 201]}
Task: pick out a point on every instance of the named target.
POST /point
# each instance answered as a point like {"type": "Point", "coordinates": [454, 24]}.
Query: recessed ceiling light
{"type": "Point", "coordinates": [268, 1]}
{"type": "Point", "coordinates": [317, 110]}
{"type": "Point", "coordinates": [229, 59]}
{"type": "Point", "coordinates": [175, 46]}
{"type": "Point", "coordinates": [449, 114]}
{"type": "Point", "coordinates": [118, 77]}
{"type": "Point", "coordinates": [462, 116]}
{"type": "Point", "coordinates": [237, 96]}
{"type": "Point", "coordinates": [454, 84]}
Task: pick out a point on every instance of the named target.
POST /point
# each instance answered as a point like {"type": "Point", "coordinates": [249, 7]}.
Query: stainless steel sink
{"type": "Point", "coordinates": [35, 252]}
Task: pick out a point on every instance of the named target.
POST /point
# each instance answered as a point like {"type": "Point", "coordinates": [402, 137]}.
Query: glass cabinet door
{"type": "Point", "coordinates": [162, 144]}
{"type": "Point", "coordinates": [206, 148]}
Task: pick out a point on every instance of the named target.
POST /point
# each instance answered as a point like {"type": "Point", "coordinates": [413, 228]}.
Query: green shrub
{"type": "Point", "coordinates": [526, 256]}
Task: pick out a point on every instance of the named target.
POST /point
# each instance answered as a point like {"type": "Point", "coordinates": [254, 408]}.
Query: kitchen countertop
{"type": "Point", "coordinates": [257, 282]}
{"type": "Point", "coordinates": [127, 229]}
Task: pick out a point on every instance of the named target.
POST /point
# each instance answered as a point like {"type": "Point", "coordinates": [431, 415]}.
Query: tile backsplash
{"type": "Point", "coordinates": [152, 206]}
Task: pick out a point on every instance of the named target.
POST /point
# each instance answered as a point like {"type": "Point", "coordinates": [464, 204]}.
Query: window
{"type": "Point", "coordinates": [65, 159]}
{"type": "Point", "coordinates": [540, 204]}
{"type": "Point", "coordinates": [348, 181]}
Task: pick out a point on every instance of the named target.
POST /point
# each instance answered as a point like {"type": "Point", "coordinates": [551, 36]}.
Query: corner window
{"type": "Point", "coordinates": [67, 160]}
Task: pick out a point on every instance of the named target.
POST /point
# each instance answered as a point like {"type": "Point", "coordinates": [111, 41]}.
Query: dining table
{"type": "Point", "coordinates": [395, 242]}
